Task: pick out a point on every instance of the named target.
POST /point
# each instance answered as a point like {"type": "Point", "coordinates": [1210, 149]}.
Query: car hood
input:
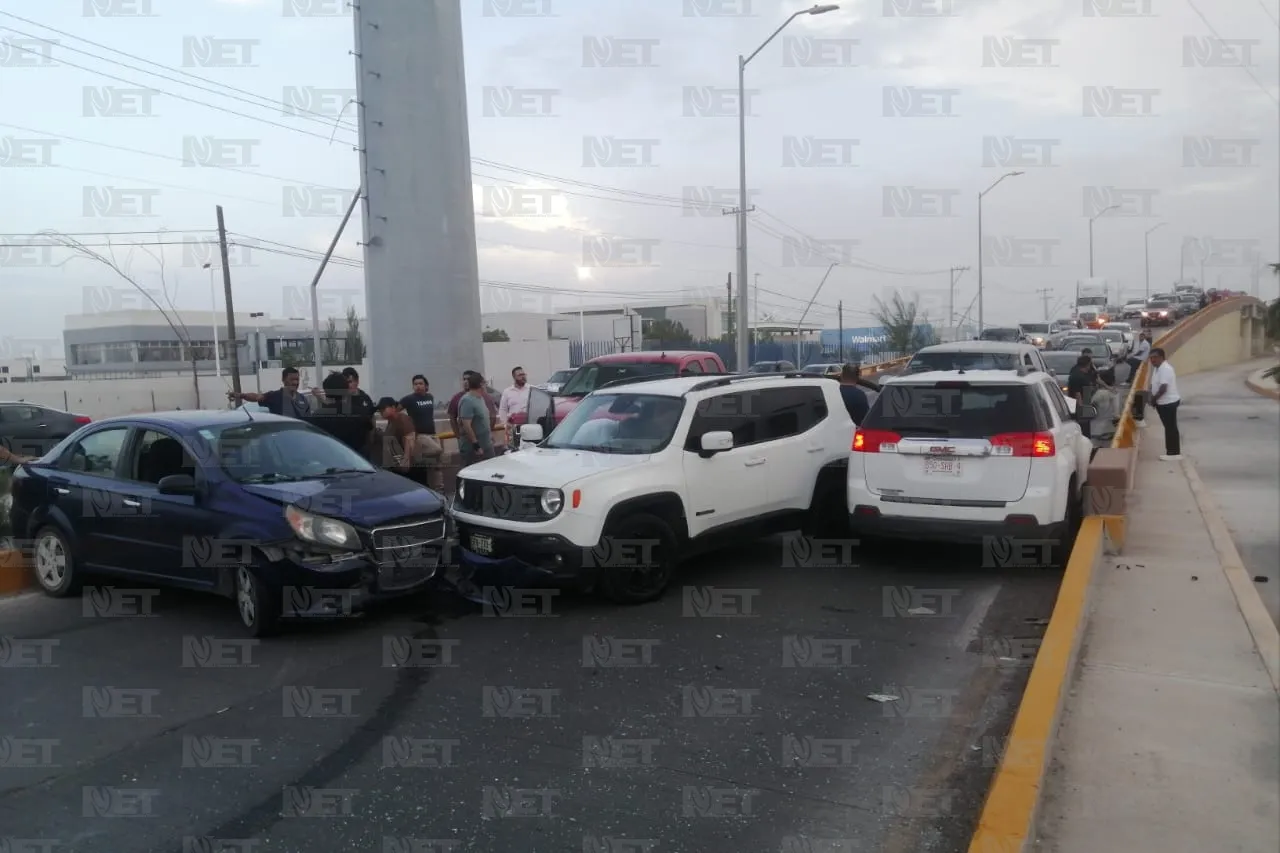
{"type": "Point", "coordinates": [549, 468]}
{"type": "Point", "coordinates": [365, 500]}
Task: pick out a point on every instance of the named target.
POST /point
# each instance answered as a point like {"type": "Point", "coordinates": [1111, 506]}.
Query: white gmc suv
{"type": "Point", "coordinates": [645, 473]}
{"type": "Point", "coordinates": [963, 455]}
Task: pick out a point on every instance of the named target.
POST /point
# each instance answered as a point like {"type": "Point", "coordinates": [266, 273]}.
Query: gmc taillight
{"type": "Point", "coordinates": [81, 420]}
{"type": "Point", "coordinates": [871, 440]}
{"type": "Point", "coordinates": [1025, 445]}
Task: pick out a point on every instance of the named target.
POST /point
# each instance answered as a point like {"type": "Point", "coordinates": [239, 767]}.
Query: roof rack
{"type": "Point", "coordinates": [729, 378]}
{"type": "Point", "coordinates": [631, 380]}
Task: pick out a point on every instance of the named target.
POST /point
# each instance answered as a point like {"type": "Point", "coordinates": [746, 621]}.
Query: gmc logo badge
{"type": "Point", "coordinates": [941, 451]}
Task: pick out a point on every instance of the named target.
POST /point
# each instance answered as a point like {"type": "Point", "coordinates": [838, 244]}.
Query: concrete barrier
{"type": "Point", "coordinates": [1008, 819]}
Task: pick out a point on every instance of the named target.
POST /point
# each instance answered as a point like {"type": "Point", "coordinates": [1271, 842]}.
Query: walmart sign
{"type": "Point", "coordinates": [868, 337]}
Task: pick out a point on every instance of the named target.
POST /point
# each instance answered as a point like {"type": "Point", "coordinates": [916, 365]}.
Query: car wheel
{"type": "Point", "coordinates": [53, 564]}
{"type": "Point", "coordinates": [257, 604]}
{"type": "Point", "coordinates": [828, 514]}
{"type": "Point", "coordinates": [636, 584]}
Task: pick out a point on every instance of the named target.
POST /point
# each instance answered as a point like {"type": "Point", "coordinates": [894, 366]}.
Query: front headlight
{"type": "Point", "coordinates": [461, 489]}
{"type": "Point", "coordinates": [320, 530]}
{"type": "Point", "coordinates": [551, 501]}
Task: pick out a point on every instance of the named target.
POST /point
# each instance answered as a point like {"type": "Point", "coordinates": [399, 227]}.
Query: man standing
{"type": "Point", "coordinates": [515, 399]}
{"type": "Point", "coordinates": [420, 406]}
{"type": "Point", "coordinates": [1165, 397]}
{"type": "Point", "coordinates": [285, 400]}
{"type": "Point", "coordinates": [491, 405]}
{"type": "Point", "coordinates": [855, 399]}
{"type": "Point", "coordinates": [362, 405]}
{"type": "Point", "coordinates": [1141, 354]}
{"type": "Point", "coordinates": [475, 441]}
{"type": "Point", "coordinates": [1081, 383]}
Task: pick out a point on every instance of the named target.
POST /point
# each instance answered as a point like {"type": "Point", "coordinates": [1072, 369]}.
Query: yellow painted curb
{"type": "Point", "coordinates": [1007, 823]}
{"type": "Point", "coordinates": [14, 574]}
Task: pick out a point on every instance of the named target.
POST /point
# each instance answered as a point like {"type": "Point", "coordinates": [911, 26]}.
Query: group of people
{"type": "Point", "coordinates": [1089, 386]}
{"type": "Point", "coordinates": [410, 444]}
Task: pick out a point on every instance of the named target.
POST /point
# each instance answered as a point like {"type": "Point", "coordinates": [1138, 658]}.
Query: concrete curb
{"type": "Point", "coordinates": [1266, 637]}
{"type": "Point", "coordinates": [1255, 384]}
{"type": "Point", "coordinates": [1008, 819]}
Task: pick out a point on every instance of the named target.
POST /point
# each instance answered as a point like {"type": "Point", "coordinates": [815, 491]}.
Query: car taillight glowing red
{"type": "Point", "coordinates": [81, 420]}
{"type": "Point", "coordinates": [869, 440]}
{"type": "Point", "coordinates": [1026, 445]}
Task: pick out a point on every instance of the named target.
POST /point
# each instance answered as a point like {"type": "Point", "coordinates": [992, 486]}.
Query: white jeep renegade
{"type": "Point", "coordinates": [645, 473]}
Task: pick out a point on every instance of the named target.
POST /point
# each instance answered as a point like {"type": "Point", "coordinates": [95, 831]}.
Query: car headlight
{"type": "Point", "coordinates": [461, 491]}
{"type": "Point", "coordinates": [551, 501]}
{"type": "Point", "coordinates": [321, 530]}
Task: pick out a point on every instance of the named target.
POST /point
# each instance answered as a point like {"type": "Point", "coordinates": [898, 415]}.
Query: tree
{"type": "Point", "coordinates": [668, 331]}
{"type": "Point", "coordinates": [904, 326]}
{"type": "Point", "coordinates": [355, 341]}
{"type": "Point", "coordinates": [330, 343]}
{"type": "Point", "coordinates": [495, 336]}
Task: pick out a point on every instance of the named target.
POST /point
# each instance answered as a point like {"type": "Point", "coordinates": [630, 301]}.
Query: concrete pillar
{"type": "Point", "coordinates": [421, 278]}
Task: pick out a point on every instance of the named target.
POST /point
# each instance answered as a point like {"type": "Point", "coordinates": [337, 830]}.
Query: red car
{"type": "Point", "coordinates": [627, 365]}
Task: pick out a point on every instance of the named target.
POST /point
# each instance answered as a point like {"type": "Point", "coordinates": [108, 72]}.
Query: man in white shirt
{"type": "Point", "coordinates": [1165, 397]}
{"type": "Point", "coordinates": [1140, 353]}
{"type": "Point", "coordinates": [515, 400]}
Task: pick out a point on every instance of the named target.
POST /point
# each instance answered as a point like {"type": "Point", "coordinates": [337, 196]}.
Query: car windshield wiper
{"type": "Point", "coordinates": [332, 471]}
{"type": "Point", "coordinates": [272, 477]}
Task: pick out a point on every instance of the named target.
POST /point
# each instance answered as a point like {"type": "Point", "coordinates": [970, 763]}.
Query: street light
{"type": "Point", "coordinates": [744, 335]}
{"type": "Point", "coordinates": [812, 299]}
{"type": "Point", "coordinates": [1146, 254]}
{"type": "Point", "coordinates": [980, 258]}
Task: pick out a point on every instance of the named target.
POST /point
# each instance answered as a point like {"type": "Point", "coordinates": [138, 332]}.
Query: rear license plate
{"type": "Point", "coordinates": [482, 544]}
{"type": "Point", "coordinates": [942, 467]}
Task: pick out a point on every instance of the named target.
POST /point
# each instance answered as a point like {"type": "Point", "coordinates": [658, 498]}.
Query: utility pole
{"type": "Point", "coordinates": [951, 303]}
{"type": "Point", "coordinates": [840, 321]}
{"type": "Point", "coordinates": [729, 288]}
{"type": "Point", "coordinates": [231, 311]}
{"type": "Point", "coordinates": [315, 284]}
{"type": "Point", "coordinates": [1045, 293]}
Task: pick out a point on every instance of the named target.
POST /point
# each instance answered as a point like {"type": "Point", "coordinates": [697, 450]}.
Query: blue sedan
{"type": "Point", "coordinates": [268, 511]}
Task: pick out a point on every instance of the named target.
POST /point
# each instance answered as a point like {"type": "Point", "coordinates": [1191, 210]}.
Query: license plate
{"type": "Point", "coordinates": [482, 544]}
{"type": "Point", "coordinates": [942, 467]}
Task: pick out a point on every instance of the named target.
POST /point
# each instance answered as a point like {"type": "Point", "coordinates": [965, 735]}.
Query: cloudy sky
{"type": "Point", "coordinates": [872, 130]}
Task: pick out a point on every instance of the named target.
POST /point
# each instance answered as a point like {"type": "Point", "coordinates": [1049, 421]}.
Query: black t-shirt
{"type": "Point", "coordinates": [1081, 381]}
{"type": "Point", "coordinates": [422, 408]}
{"type": "Point", "coordinates": [278, 404]}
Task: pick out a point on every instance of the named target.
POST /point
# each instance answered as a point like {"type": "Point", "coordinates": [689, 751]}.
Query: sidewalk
{"type": "Point", "coordinates": [1170, 738]}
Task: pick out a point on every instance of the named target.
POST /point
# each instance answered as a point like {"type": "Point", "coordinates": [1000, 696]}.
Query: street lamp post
{"type": "Point", "coordinates": [980, 258]}
{"type": "Point", "coordinates": [1146, 255]}
{"type": "Point", "coordinates": [1093, 219]}
{"type": "Point", "coordinates": [812, 299]}
{"type": "Point", "coordinates": [744, 334]}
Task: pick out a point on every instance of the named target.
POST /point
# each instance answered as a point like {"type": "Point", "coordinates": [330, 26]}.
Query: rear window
{"type": "Point", "coordinates": [954, 410]}
{"type": "Point", "coordinates": [592, 376]}
{"type": "Point", "coordinates": [927, 361]}
{"type": "Point", "coordinates": [1035, 328]}
{"type": "Point", "coordinates": [1008, 335]}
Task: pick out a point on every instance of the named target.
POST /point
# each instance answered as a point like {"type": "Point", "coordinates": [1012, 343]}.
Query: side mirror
{"type": "Point", "coordinates": [177, 484]}
{"type": "Point", "coordinates": [530, 433]}
{"type": "Point", "coordinates": [716, 442]}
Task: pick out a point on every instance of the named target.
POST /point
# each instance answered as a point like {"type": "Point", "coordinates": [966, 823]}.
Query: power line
{"type": "Point", "coordinates": [1266, 91]}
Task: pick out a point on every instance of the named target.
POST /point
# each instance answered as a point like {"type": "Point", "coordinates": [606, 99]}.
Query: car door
{"type": "Point", "coordinates": [27, 430]}
{"type": "Point", "coordinates": [86, 492]}
{"type": "Point", "coordinates": [732, 486]}
{"type": "Point", "coordinates": [173, 537]}
{"type": "Point", "coordinates": [793, 446]}
{"type": "Point", "coordinates": [1068, 436]}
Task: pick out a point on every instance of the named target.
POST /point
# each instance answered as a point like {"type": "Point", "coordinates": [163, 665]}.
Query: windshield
{"type": "Point", "coordinates": [560, 376]}
{"type": "Point", "coordinates": [619, 423]}
{"type": "Point", "coordinates": [765, 367]}
{"type": "Point", "coordinates": [1035, 328]}
{"type": "Point", "coordinates": [592, 376]}
{"type": "Point", "coordinates": [280, 452]}
{"type": "Point", "coordinates": [1001, 335]}
{"type": "Point", "coordinates": [819, 368]}
{"type": "Point", "coordinates": [923, 362]}
{"type": "Point", "coordinates": [1157, 304]}
{"type": "Point", "coordinates": [1096, 301]}
{"type": "Point", "coordinates": [962, 411]}
{"type": "Point", "coordinates": [1060, 362]}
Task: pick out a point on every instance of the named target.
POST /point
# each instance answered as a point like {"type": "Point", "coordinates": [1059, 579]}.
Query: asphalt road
{"type": "Point", "coordinates": [732, 715]}
{"type": "Point", "coordinates": [1232, 435]}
